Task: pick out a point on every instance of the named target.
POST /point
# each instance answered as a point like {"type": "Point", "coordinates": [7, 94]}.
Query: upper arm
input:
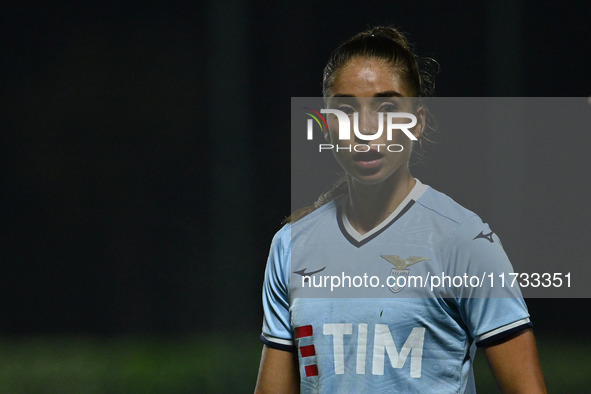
{"type": "Point", "coordinates": [515, 365]}
{"type": "Point", "coordinates": [278, 372]}
{"type": "Point", "coordinates": [276, 302]}
{"type": "Point", "coordinates": [496, 315]}
{"type": "Point", "coordinates": [490, 309]}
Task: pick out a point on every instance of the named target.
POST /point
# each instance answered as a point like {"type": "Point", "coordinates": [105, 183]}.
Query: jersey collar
{"type": "Point", "coordinates": [358, 239]}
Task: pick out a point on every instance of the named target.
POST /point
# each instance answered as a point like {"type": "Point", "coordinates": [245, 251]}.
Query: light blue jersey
{"type": "Point", "coordinates": [398, 309]}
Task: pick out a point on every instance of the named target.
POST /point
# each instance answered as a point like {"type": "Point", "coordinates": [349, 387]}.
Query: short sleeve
{"type": "Point", "coordinates": [277, 331]}
{"type": "Point", "coordinates": [491, 310]}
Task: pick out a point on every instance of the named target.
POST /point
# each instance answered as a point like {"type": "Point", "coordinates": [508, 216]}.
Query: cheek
{"type": "Point", "coordinates": [331, 135]}
{"type": "Point", "coordinates": [334, 134]}
{"type": "Point", "coordinates": [333, 129]}
{"type": "Point", "coordinates": [342, 160]}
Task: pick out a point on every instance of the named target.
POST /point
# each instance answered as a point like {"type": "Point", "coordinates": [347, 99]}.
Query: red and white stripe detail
{"type": "Point", "coordinates": [307, 350]}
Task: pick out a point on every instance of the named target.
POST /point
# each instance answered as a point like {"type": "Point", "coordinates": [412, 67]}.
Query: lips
{"type": "Point", "coordinates": [369, 159]}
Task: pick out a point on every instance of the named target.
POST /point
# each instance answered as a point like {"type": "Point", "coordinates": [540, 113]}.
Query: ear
{"type": "Point", "coordinates": [327, 120]}
{"type": "Point", "coordinates": [417, 131]}
{"type": "Point", "coordinates": [325, 131]}
{"type": "Point", "coordinates": [326, 135]}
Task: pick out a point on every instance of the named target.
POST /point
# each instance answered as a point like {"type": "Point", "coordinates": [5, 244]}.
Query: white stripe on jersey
{"type": "Point", "coordinates": [502, 329]}
{"type": "Point", "coordinates": [279, 341]}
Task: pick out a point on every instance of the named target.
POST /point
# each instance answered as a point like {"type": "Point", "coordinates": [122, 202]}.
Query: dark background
{"type": "Point", "coordinates": [146, 160]}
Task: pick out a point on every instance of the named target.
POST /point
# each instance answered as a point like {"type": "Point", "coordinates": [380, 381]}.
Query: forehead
{"type": "Point", "coordinates": [367, 77]}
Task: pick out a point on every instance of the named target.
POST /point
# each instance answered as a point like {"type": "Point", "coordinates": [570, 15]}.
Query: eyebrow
{"type": "Point", "coordinates": [389, 93]}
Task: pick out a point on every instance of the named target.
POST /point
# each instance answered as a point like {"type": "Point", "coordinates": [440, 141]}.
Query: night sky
{"type": "Point", "coordinates": [146, 158]}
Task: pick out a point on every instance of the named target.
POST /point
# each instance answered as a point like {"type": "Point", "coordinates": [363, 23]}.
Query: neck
{"type": "Point", "coordinates": [369, 205]}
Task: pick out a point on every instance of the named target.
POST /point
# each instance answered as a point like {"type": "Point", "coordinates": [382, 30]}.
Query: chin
{"type": "Point", "coordinates": [370, 180]}
{"type": "Point", "coordinates": [376, 178]}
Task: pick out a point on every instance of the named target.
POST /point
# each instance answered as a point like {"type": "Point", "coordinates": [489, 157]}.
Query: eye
{"type": "Point", "coordinates": [388, 107]}
{"type": "Point", "coordinates": [346, 109]}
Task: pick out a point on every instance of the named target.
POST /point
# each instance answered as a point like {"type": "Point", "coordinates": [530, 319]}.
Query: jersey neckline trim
{"type": "Point", "coordinates": [359, 240]}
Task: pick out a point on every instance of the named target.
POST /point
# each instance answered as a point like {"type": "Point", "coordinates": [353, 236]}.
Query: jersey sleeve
{"type": "Point", "coordinates": [491, 309]}
{"type": "Point", "coordinates": [277, 331]}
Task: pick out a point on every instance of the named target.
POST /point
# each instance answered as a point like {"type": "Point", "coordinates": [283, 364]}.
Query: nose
{"type": "Point", "coordinates": [367, 125]}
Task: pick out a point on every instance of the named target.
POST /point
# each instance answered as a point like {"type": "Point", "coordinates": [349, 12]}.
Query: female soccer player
{"type": "Point", "coordinates": [381, 223]}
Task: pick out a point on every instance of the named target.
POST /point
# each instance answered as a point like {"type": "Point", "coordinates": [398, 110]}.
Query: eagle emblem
{"type": "Point", "coordinates": [401, 264]}
{"type": "Point", "coordinates": [401, 269]}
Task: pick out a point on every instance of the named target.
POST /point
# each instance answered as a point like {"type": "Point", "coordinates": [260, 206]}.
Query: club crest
{"type": "Point", "coordinates": [395, 274]}
{"type": "Point", "coordinates": [396, 285]}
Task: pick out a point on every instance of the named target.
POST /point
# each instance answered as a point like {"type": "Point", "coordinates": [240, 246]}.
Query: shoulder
{"type": "Point", "coordinates": [465, 225]}
{"type": "Point", "coordinates": [321, 214]}
{"type": "Point", "coordinates": [444, 206]}
{"type": "Point", "coordinates": [282, 240]}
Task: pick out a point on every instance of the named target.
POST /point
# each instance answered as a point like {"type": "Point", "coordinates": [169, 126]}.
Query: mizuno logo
{"type": "Point", "coordinates": [304, 273]}
{"type": "Point", "coordinates": [401, 264]}
{"type": "Point", "coordinates": [488, 236]}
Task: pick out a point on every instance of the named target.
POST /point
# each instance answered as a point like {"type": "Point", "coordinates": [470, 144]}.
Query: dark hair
{"type": "Point", "coordinates": [385, 43]}
{"type": "Point", "coordinates": [379, 42]}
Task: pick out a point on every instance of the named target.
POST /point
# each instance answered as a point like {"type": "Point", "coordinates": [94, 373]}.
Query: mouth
{"type": "Point", "coordinates": [369, 159]}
